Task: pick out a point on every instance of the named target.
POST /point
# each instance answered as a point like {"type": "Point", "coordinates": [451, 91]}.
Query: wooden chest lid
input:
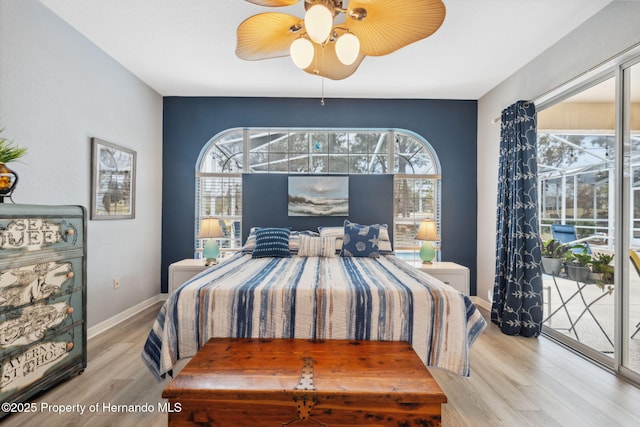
{"type": "Point", "coordinates": [281, 368]}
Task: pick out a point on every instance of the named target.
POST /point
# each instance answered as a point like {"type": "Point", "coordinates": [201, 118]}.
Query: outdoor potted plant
{"type": "Point", "coordinates": [9, 152]}
{"type": "Point", "coordinates": [552, 254]}
{"type": "Point", "coordinates": [578, 263]}
{"type": "Point", "coordinates": [601, 268]}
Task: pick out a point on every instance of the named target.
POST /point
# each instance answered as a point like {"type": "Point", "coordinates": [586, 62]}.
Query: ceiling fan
{"type": "Point", "coordinates": [335, 35]}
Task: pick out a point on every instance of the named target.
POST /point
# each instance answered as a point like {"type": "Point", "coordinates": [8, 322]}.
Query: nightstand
{"type": "Point", "coordinates": [452, 274]}
{"type": "Point", "coordinates": [181, 271]}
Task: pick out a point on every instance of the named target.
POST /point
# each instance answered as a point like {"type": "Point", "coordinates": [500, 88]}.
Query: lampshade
{"type": "Point", "coordinates": [210, 228]}
{"type": "Point", "coordinates": [302, 53]}
{"type": "Point", "coordinates": [347, 48]}
{"type": "Point", "coordinates": [428, 231]}
{"type": "Point", "coordinates": [318, 22]}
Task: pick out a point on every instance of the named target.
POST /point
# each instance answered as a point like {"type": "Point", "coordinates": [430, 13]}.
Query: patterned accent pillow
{"type": "Point", "coordinates": [317, 246]}
{"type": "Point", "coordinates": [338, 232]}
{"type": "Point", "coordinates": [361, 240]}
{"type": "Point", "coordinates": [294, 240]}
{"type": "Point", "coordinates": [272, 242]}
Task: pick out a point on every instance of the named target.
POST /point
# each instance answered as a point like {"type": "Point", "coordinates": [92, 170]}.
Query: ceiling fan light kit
{"type": "Point", "coordinates": [335, 35]}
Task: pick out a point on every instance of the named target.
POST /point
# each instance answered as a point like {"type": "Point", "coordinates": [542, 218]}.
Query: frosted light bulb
{"type": "Point", "coordinates": [318, 22]}
{"type": "Point", "coordinates": [347, 48]}
{"type": "Point", "coordinates": [301, 51]}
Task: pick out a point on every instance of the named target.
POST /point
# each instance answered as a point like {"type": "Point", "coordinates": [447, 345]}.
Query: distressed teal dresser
{"type": "Point", "coordinates": [43, 330]}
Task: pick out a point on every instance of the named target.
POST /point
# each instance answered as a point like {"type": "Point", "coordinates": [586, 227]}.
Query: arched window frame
{"type": "Point", "coordinates": [411, 159]}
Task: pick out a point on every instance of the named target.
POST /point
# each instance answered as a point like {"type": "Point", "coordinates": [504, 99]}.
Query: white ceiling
{"type": "Point", "coordinates": [187, 48]}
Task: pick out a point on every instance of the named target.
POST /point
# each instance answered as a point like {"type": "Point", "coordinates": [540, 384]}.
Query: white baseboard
{"type": "Point", "coordinates": [121, 317]}
{"type": "Point", "coordinates": [481, 303]}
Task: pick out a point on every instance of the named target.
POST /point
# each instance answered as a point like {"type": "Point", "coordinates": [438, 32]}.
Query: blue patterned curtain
{"type": "Point", "coordinates": [517, 291]}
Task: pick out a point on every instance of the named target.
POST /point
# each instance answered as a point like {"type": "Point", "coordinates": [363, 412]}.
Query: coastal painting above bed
{"type": "Point", "coordinates": [318, 195]}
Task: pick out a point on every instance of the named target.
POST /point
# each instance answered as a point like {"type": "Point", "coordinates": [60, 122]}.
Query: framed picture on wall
{"type": "Point", "coordinates": [318, 196]}
{"type": "Point", "coordinates": [113, 181]}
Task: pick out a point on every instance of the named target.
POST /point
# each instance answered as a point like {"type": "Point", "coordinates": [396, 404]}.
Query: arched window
{"type": "Point", "coordinates": [406, 155]}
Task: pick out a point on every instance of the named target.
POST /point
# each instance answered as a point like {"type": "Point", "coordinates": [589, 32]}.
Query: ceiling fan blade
{"type": "Point", "coordinates": [327, 64]}
{"type": "Point", "coordinates": [265, 35]}
{"type": "Point", "coordinates": [392, 24]}
{"type": "Point", "coordinates": [273, 3]}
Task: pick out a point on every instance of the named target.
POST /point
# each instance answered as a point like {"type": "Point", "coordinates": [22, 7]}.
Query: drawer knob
{"type": "Point", "coordinates": [69, 310]}
{"type": "Point", "coordinates": [70, 275]}
{"type": "Point", "coordinates": [69, 346]}
{"type": "Point", "coordinates": [70, 231]}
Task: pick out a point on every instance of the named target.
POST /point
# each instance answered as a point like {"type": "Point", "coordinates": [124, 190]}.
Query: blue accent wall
{"type": "Point", "coordinates": [450, 126]}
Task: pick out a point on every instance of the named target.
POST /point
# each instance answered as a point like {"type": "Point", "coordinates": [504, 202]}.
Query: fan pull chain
{"type": "Point", "coordinates": [322, 77]}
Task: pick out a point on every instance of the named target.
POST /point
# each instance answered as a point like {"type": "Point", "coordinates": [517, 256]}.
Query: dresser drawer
{"type": "Point", "coordinates": [30, 283]}
{"type": "Point", "coordinates": [38, 364]}
{"type": "Point", "coordinates": [20, 233]}
{"type": "Point", "coordinates": [30, 323]}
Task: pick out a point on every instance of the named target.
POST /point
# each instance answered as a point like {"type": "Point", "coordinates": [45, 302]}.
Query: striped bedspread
{"type": "Point", "coordinates": [316, 298]}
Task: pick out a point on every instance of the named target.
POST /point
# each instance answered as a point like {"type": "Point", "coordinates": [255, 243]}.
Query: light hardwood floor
{"type": "Point", "coordinates": [514, 382]}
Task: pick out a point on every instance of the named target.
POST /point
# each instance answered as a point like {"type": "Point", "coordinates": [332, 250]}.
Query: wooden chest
{"type": "Point", "coordinates": [251, 382]}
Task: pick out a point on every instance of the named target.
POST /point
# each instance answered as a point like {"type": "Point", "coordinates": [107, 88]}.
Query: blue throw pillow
{"type": "Point", "coordinates": [272, 242]}
{"type": "Point", "coordinates": [360, 240]}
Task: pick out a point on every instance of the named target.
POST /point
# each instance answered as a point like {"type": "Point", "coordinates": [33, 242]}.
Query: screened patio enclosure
{"type": "Point", "coordinates": [575, 173]}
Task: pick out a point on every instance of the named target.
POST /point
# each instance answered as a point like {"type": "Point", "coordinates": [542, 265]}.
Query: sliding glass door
{"type": "Point", "coordinates": [577, 184]}
{"type": "Point", "coordinates": [630, 269]}
{"type": "Point", "coordinates": [589, 202]}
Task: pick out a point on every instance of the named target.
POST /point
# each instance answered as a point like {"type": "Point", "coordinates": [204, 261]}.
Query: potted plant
{"type": "Point", "coordinates": [601, 268]}
{"type": "Point", "coordinates": [552, 254]}
{"type": "Point", "coordinates": [9, 152]}
{"type": "Point", "coordinates": [579, 262]}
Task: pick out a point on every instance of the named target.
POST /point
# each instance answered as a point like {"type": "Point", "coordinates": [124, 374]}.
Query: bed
{"type": "Point", "coordinates": [316, 294]}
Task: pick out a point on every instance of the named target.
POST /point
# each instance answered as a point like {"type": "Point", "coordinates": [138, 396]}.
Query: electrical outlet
{"type": "Point", "coordinates": [116, 283]}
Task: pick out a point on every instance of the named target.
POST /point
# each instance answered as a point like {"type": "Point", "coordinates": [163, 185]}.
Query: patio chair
{"type": "Point", "coordinates": [635, 261]}
{"type": "Point", "coordinates": [566, 234]}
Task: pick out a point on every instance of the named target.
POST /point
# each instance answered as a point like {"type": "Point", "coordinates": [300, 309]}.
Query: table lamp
{"type": "Point", "coordinates": [210, 229]}
{"type": "Point", "coordinates": [428, 233]}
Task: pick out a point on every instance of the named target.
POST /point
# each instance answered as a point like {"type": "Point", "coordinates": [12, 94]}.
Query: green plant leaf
{"type": "Point", "coordinates": [9, 151]}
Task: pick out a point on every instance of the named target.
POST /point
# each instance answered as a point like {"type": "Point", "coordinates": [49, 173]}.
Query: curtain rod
{"type": "Point", "coordinates": [526, 104]}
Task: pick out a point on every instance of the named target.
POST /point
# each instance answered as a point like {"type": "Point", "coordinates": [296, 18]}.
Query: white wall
{"type": "Point", "coordinates": [608, 33]}
{"type": "Point", "coordinates": [57, 90]}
